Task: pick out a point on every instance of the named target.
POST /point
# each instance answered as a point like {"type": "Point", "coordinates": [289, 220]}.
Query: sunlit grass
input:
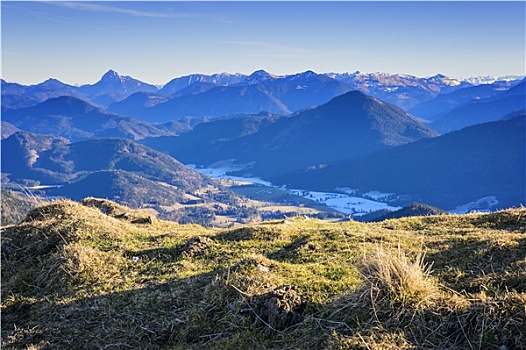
{"type": "Point", "coordinates": [81, 276]}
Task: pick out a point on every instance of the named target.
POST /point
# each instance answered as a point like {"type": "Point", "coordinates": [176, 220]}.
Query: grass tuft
{"type": "Point", "coordinates": [398, 280]}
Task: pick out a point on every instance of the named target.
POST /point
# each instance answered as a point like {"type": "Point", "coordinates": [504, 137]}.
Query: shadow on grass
{"type": "Point", "coordinates": [264, 232]}
{"type": "Point", "coordinates": [198, 312]}
{"type": "Point", "coordinates": [150, 317]}
{"type": "Point", "coordinates": [474, 265]}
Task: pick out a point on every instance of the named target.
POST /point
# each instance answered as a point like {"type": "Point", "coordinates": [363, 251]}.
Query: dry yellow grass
{"type": "Point", "coordinates": [78, 276]}
{"type": "Point", "coordinates": [392, 275]}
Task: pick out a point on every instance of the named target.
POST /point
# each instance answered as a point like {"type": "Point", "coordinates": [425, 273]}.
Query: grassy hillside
{"type": "Point", "coordinates": [79, 276]}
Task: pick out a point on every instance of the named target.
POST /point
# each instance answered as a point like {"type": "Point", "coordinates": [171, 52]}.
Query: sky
{"type": "Point", "coordinates": [77, 42]}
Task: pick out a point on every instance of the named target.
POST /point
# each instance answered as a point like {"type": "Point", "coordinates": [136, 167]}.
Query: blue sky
{"type": "Point", "coordinates": [76, 42]}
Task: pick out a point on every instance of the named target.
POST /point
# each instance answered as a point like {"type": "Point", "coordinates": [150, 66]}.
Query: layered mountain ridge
{"type": "Point", "coordinates": [403, 90]}
{"type": "Point", "coordinates": [116, 169]}
{"type": "Point", "coordinates": [350, 125]}
{"type": "Point", "coordinates": [310, 130]}
{"type": "Point", "coordinates": [479, 161]}
{"type": "Point", "coordinates": [77, 119]}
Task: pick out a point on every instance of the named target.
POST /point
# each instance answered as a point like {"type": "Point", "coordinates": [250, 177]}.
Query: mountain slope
{"type": "Point", "coordinates": [8, 129]}
{"type": "Point", "coordinates": [136, 101]}
{"type": "Point", "coordinates": [120, 154]}
{"type": "Point", "coordinates": [259, 77]}
{"type": "Point", "coordinates": [415, 209]}
{"type": "Point", "coordinates": [118, 169]}
{"type": "Point", "coordinates": [446, 171]}
{"type": "Point", "coordinates": [44, 158]}
{"type": "Point", "coordinates": [143, 100]}
{"type": "Point", "coordinates": [21, 150]}
{"type": "Point", "coordinates": [195, 88]}
{"type": "Point", "coordinates": [348, 126]}
{"type": "Point", "coordinates": [479, 112]}
{"type": "Point", "coordinates": [127, 188]}
{"type": "Point", "coordinates": [15, 206]}
{"type": "Point", "coordinates": [484, 110]}
{"type": "Point", "coordinates": [444, 102]}
{"type": "Point", "coordinates": [215, 102]}
{"type": "Point", "coordinates": [9, 88]}
{"type": "Point", "coordinates": [222, 79]}
{"type": "Point", "coordinates": [303, 90]}
{"type": "Point", "coordinates": [404, 91]}
{"type": "Point", "coordinates": [204, 135]}
{"type": "Point", "coordinates": [76, 119]}
{"type": "Point", "coordinates": [20, 96]}
{"type": "Point", "coordinates": [13, 101]}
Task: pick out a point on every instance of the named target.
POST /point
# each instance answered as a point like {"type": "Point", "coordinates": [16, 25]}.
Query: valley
{"type": "Point", "coordinates": [258, 189]}
{"type": "Point", "coordinates": [257, 147]}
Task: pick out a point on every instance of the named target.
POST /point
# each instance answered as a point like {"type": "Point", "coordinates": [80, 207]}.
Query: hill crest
{"type": "Point", "coordinates": [102, 272]}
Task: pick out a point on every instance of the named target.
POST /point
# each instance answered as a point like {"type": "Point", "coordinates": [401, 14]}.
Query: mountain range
{"type": "Point", "coordinates": [110, 88]}
{"type": "Point", "coordinates": [368, 131]}
{"type": "Point", "coordinates": [200, 96]}
{"type": "Point", "coordinates": [113, 87]}
{"type": "Point", "coordinates": [259, 92]}
{"type": "Point", "coordinates": [482, 110]}
{"type": "Point", "coordinates": [405, 91]}
{"type": "Point", "coordinates": [350, 125]}
{"type": "Point", "coordinates": [77, 119]}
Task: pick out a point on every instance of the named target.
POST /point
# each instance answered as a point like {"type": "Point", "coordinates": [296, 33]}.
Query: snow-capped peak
{"type": "Point", "coordinates": [488, 79]}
